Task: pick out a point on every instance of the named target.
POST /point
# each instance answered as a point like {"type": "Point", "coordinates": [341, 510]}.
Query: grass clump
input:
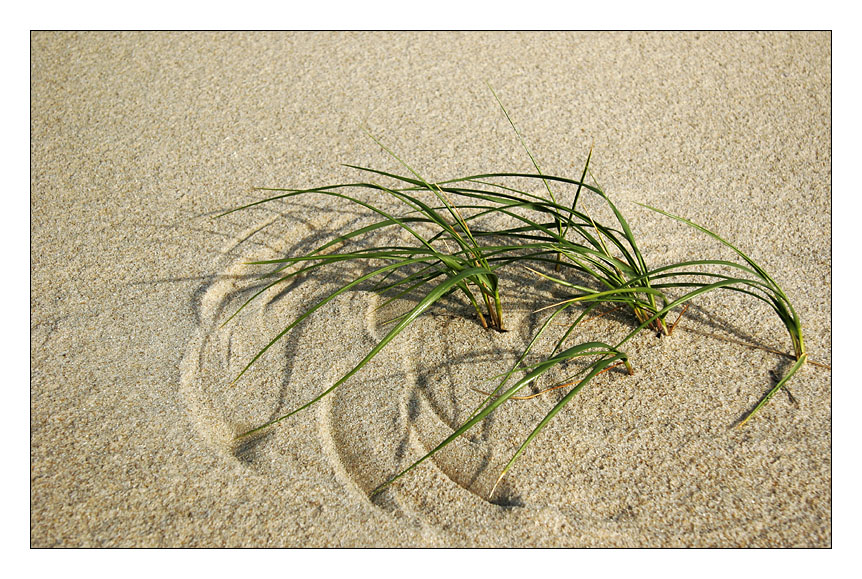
{"type": "Point", "coordinates": [595, 264]}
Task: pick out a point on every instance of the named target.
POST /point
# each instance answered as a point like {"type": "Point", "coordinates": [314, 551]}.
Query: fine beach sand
{"type": "Point", "coordinates": [139, 140]}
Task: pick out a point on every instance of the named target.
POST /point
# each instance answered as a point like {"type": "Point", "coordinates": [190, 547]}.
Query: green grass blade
{"type": "Point", "coordinates": [597, 367]}
{"type": "Point", "coordinates": [426, 302]}
{"type": "Point", "coordinates": [524, 145]}
{"type": "Point", "coordinates": [518, 364]}
{"type": "Point", "coordinates": [792, 321]}
{"type": "Point", "coordinates": [320, 304]}
{"type": "Point", "coordinates": [588, 348]}
{"type": "Point", "coordinates": [799, 363]}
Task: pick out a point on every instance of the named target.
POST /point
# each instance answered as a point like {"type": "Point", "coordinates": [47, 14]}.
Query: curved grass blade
{"type": "Point", "coordinates": [518, 364]}
{"type": "Point", "coordinates": [320, 304]}
{"type": "Point", "coordinates": [585, 349]}
{"type": "Point", "coordinates": [799, 363]}
{"type": "Point", "coordinates": [597, 368]}
{"type": "Point", "coordinates": [788, 314]}
{"type": "Point", "coordinates": [426, 302]}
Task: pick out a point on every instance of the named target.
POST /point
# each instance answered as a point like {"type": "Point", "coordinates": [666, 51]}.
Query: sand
{"type": "Point", "coordinates": [138, 140]}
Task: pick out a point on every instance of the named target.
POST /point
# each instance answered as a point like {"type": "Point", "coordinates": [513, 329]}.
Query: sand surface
{"type": "Point", "coordinates": [138, 140]}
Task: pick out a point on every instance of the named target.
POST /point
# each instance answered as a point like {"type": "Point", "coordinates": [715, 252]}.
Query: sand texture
{"type": "Point", "coordinates": [139, 139]}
